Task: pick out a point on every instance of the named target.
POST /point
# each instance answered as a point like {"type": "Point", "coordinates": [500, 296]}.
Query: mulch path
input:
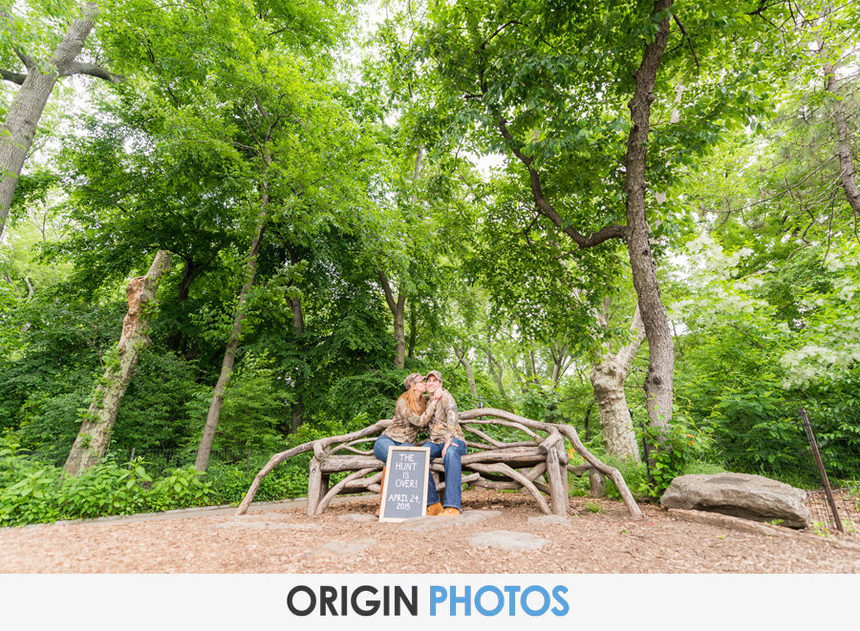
{"type": "Point", "coordinates": [280, 538]}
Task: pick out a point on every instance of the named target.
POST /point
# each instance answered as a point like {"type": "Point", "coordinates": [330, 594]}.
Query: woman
{"type": "Point", "coordinates": [412, 412]}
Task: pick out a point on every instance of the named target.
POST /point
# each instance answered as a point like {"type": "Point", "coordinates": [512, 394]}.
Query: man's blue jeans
{"type": "Point", "coordinates": [453, 473]}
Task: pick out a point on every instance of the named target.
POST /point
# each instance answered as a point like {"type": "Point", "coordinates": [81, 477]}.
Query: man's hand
{"type": "Point", "coordinates": [445, 447]}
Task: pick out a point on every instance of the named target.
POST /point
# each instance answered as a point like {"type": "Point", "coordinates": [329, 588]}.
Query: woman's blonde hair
{"type": "Point", "coordinates": [414, 401]}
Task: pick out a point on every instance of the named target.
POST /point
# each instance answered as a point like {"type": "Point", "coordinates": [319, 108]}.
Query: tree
{"type": "Point", "coordinates": [37, 82]}
{"type": "Point", "coordinates": [280, 110]}
{"type": "Point", "coordinates": [93, 438]}
{"type": "Point", "coordinates": [545, 84]}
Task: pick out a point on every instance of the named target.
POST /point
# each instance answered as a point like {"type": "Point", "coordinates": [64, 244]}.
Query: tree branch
{"type": "Point", "coordinates": [613, 231]}
{"type": "Point", "coordinates": [497, 31]}
{"type": "Point", "coordinates": [28, 61]}
{"type": "Point", "coordinates": [689, 41]}
{"type": "Point", "coordinates": [14, 77]}
{"type": "Point", "coordinates": [93, 70]}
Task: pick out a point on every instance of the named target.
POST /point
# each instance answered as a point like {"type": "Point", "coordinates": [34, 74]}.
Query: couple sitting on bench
{"type": "Point", "coordinates": [426, 405]}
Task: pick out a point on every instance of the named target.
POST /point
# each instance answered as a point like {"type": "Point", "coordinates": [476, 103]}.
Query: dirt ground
{"type": "Point", "coordinates": [280, 538]}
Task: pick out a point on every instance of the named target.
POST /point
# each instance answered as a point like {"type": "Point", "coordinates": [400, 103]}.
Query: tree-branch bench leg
{"type": "Point", "coordinates": [557, 482]}
{"type": "Point", "coordinates": [317, 486]}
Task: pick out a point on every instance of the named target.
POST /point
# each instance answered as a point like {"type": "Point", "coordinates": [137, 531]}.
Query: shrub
{"type": "Point", "coordinates": [180, 488]}
{"type": "Point", "coordinates": [105, 489]}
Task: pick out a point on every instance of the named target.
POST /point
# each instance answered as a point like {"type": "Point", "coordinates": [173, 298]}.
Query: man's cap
{"type": "Point", "coordinates": [435, 373]}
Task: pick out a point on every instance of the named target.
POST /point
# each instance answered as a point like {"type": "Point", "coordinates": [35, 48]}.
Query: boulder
{"type": "Point", "coordinates": [739, 494]}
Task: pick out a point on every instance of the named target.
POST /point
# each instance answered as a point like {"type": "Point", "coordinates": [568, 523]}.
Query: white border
{"type": "Point", "coordinates": [427, 474]}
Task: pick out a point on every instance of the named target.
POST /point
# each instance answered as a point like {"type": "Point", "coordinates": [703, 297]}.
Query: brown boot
{"type": "Point", "coordinates": [381, 492]}
{"type": "Point", "coordinates": [434, 509]}
{"type": "Point", "coordinates": [450, 511]}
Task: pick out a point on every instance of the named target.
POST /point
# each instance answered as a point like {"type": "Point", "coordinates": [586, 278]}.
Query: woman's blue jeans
{"type": "Point", "coordinates": [383, 444]}
{"type": "Point", "coordinates": [453, 467]}
{"type": "Point", "coordinates": [453, 474]}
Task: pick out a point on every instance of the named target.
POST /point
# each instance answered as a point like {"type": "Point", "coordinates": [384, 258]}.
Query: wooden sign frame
{"type": "Point", "coordinates": [385, 481]}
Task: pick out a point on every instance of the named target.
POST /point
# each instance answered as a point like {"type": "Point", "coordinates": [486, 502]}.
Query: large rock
{"type": "Point", "coordinates": [739, 494]}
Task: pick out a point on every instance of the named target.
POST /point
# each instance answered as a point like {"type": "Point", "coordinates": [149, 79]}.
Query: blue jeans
{"type": "Point", "coordinates": [383, 444]}
{"type": "Point", "coordinates": [453, 473]}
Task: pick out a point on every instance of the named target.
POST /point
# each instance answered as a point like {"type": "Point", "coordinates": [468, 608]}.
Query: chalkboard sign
{"type": "Point", "coordinates": [406, 472]}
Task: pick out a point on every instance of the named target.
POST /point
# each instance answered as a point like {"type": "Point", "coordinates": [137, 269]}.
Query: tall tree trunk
{"type": "Point", "coordinates": [212, 418]}
{"type": "Point", "coordinates": [413, 328]}
{"type": "Point", "coordinates": [560, 362]}
{"type": "Point", "coordinates": [470, 373]}
{"type": "Point", "coordinates": [586, 426]}
{"type": "Point", "coordinates": [531, 366]}
{"type": "Point", "coordinates": [607, 379]}
{"type": "Point", "coordinates": [661, 364]}
{"type": "Point", "coordinates": [94, 435]}
{"type": "Point", "coordinates": [189, 273]}
{"type": "Point", "coordinates": [497, 371]}
{"type": "Point", "coordinates": [22, 119]}
{"type": "Point", "coordinates": [298, 328]}
{"type": "Point", "coordinates": [843, 142]}
{"type": "Point", "coordinates": [397, 306]}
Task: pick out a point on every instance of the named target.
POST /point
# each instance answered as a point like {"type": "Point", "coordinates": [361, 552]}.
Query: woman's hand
{"type": "Point", "coordinates": [445, 447]}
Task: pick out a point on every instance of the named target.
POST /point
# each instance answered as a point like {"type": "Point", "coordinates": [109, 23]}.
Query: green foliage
{"type": "Point", "coordinates": [181, 488]}
{"type": "Point", "coordinates": [32, 491]}
{"type": "Point", "coordinates": [669, 458]}
{"type": "Point", "coordinates": [854, 490]}
{"type": "Point", "coordinates": [593, 507]}
{"type": "Point", "coordinates": [634, 474]}
{"type": "Point", "coordinates": [254, 404]}
{"type": "Point", "coordinates": [26, 489]}
{"type": "Point", "coordinates": [106, 489]}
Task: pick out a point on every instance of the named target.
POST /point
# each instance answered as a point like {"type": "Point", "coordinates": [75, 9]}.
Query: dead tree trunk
{"type": "Point", "coordinates": [94, 435]}
{"type": "Point", "coordinates": [212, 418]}
{"type": "Point", "coordinates": [607, 379]}
{"type": "Point", "coordinates": [22, 119]}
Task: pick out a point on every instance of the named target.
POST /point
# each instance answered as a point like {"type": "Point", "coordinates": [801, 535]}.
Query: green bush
{"type": "Point", "coordinates": [635, 474]}
{"type": "Point", "coordinates": [31, 498]}
{"type": "Point", "coordinates": [106, 489]}
{"type": "Point", "coordinates": [181, 488]}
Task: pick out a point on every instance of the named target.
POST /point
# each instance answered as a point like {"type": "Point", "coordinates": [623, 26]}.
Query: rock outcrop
{"type": "Point", "coordinates": [739, 494]}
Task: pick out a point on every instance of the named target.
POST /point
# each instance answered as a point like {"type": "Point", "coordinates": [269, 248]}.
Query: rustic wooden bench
{"type": "Point", "coordinates": [538, 463]}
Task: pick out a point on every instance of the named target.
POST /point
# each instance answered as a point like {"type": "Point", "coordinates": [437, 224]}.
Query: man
{"type": "Point", "coordinates": [446, 442]}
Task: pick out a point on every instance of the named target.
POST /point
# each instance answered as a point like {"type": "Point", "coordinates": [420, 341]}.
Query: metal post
{"type": "Point", "coordinates": [814, 445]}
{"type": "Point", "coordinates": [646, 451]}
